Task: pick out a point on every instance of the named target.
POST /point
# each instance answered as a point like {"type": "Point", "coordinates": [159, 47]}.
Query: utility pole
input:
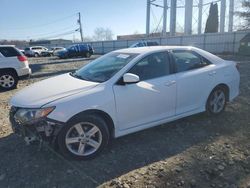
{"type": "Point", "coordinates": [80, 24]}
{"type": "Point", "coordinates": [200, 6]}
{"type": "Point", "coordinates": [222, 15]}
{"type": "Point", "coordinates": [231, 15]}
{"type": "Point", "coordinates": [188, 17]}
{"type": "Point", "coordinates": [173, 17]}
{"type": "Point", "coordinates": [165, 9]}
{"type": "Point", "coordinates": [148, 18]}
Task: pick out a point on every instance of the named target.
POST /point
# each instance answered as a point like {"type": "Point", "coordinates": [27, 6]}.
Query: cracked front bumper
{"type": "Point", "coordinates": [44, 129]}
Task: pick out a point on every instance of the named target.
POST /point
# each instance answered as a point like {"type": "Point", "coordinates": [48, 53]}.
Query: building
{"type": "Point", "coordinates": [143, 36]}
{"type": "Point", "coordinates": [54, 42]}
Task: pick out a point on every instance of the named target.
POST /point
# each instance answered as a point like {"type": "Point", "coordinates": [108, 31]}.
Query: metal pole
{"type": "Point", "coordinates": [173, 17]}
{"type": "Point", "coordinates": [148, 18]}
{"type": "Point", "coordinates": [200, 6]}
{"type": "Point", "coordinates": [231, 16]}
{"type": "Point", "coordinates": [188, 16]}
{"type": "Point", "coordinates": [80, 24]}
{"type": "Point", "coordinates": [222, 15]}
{"type": "Point", "coordinates": [165, 9]}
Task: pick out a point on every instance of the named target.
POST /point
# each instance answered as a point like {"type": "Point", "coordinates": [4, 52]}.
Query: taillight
{"type": "Point", "coordinates": [22, 58]}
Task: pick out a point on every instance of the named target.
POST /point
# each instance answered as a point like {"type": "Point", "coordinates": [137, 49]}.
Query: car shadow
{"type": "Point", "coordinates": [125, 154]}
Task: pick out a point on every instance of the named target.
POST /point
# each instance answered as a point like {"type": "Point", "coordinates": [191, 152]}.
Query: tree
{"type": "Point", "coordinates": [101, 34]}
{"type": "Point", "coordinates": [245, 14]}
{"type": "Point", "coordinates": [212, 20]}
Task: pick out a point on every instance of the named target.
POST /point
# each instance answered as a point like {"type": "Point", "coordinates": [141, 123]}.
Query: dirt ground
{"type": "Point", "coordinates": [198, 151]}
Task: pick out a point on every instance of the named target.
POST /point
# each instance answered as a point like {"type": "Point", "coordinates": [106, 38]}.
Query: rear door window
{"type": "Point", "coordinates": [187, 60]}
{"type": "Point", "coordinates": [9, 52]}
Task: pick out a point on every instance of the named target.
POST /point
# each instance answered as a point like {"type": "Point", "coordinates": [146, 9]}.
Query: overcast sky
{"type": "Point", "coordinates": [31, 19]}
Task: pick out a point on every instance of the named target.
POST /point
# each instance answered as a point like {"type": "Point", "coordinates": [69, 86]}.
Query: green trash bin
{"type": "Point", "coordinates": [244, 48]}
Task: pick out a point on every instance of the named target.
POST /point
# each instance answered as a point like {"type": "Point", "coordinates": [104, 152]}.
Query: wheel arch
{"type": "Point", "coordinates": [9, 69]}
{"type": "Point", "coordinates": [225, 87]}
{"type": "Point", "coordinates": [106, 117]}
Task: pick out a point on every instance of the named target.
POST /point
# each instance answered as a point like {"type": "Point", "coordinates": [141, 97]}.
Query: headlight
{"type": "Point", "coordinates": [28, 115]}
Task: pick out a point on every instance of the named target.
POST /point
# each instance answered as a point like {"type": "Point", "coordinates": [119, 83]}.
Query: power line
{"type": "Point", "coordinates": [42, 25]}
{"type": "Point", "coordinates": [53, 32]}
{"type": "Point", "coordinates": [62, 34]}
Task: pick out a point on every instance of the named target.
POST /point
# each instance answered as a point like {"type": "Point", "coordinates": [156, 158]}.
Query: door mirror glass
{"type": "Point", "coordinates": [130, 78]}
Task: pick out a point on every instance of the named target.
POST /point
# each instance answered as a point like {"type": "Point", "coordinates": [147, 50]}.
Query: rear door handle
{"type": "Point", "coordinates": [212, 73]}
{"type": "Point", "coordinates": [170, 83]}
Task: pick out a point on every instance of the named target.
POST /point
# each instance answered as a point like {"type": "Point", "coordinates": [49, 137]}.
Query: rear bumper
{"type": "Point", "coordinates": [24, 72]}
{"type": "Point", "coordinates": [42, 130]}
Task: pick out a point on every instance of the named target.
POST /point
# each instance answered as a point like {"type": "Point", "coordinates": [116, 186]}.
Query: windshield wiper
{"type": "Point", "coordinates": [75, 75]}
{"type": "Point", "coordinates": [79, 77]}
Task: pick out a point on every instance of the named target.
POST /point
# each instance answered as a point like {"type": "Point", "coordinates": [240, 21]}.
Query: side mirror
{"type": "Point", "coordinates": [130, 78]}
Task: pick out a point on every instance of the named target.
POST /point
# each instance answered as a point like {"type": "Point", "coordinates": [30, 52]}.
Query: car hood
{"type": "Point", "coordinates": [49, 90]}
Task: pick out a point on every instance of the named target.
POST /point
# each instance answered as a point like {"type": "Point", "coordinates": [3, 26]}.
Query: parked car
{"type": "Point", "coordinates": [21, 51]}
{"type": "Point", "coordinates": [59, 50]}
{"type": "Point", "coordinates": [13, 66]}
{"type": "Point", "coordinates": [123, 92]}
{"type": "Point", "coordinates": [46, 53]}
{"type": "Point", "coordinates": [34, 51]}
{"type": "Point", "coordinates": [56, 49]}
{"type": "Point", "coordinates": [78, 50]}
{"type": "Point", "coordinates": [52, 51]}
{"type": "Point", "coordinates": [144, 43]}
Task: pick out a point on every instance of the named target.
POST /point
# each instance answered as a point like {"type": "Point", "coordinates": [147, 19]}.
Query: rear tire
{"type": "Point", "coordinates": [76, 141]}
{"type": "Point", "coordinates": [87, 55]}
{"type": "Point", "coordinates": [36, 55]}
{"type": "Point", "coordinates": [8, 80]}
{"type": "Point", "coordinates": [216, 102]}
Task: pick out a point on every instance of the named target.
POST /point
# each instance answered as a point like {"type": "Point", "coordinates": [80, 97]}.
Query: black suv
{"type": "Point", "coordinates": [78, 50]}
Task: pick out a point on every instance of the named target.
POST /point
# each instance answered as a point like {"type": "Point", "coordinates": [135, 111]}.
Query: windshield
{"type": "Point", "coordinates": [103, 68]}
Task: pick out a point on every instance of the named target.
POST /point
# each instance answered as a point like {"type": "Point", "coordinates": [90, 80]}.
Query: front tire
{"type": "Point", "coordinates": [83, 138]}
{"type": "Point", "coordinates": [216, 102]}
{"type": "Point", "coordinates": [8, 80]}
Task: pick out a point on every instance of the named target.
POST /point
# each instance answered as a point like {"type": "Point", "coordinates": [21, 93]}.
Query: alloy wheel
{"type": "Point", "coordinates": [7, 81]}
{"type": "Point", "coordinates": [217, 101]}
{"type": "Point", "coordinates": [83, 139]}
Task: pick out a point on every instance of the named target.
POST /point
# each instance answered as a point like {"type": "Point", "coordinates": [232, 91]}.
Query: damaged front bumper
{"type": "Point", "coordinates": [44, 129]}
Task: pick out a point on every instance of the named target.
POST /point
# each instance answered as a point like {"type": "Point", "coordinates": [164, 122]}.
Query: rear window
{"type": "Point", "coordinates": [152, 44]}
{"type": "Point", "coordinates": [27, 49]}
{"type": "Point", "coordinates": [9, 52]}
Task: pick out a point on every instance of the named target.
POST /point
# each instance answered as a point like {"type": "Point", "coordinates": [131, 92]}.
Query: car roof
{"type": "Point", "coordinates": [7, 45]}
{"type": "Point", "coordinates": [143, 50]}
{"type": "Point", "coordinates": [149, 49]}
{"type": "Point", "coordinates": [37, 47]}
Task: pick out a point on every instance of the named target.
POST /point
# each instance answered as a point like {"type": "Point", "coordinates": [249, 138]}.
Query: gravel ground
{"type": "Point", "coordinates": [198, 151]}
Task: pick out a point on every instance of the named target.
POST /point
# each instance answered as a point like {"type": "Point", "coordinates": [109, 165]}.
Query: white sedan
{"type": "Point", "coordinates": [120, 93]}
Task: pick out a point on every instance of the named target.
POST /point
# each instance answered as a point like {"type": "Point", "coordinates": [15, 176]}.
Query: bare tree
{"type": "Point", "coordinates": [245, 14]}
{"type": "Point", "coordinates": [101, 34]}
